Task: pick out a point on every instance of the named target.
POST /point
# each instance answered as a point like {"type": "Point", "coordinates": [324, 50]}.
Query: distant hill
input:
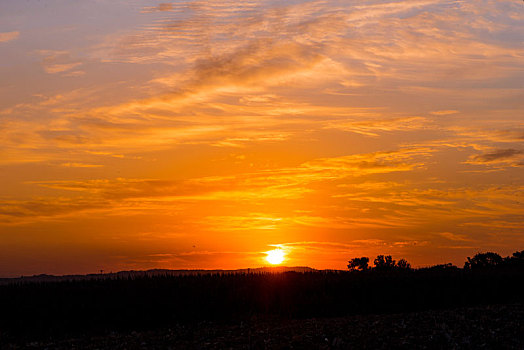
{"type": "Point", "coordinates": [149, 273]}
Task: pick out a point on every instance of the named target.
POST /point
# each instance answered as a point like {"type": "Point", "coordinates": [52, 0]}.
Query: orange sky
{"type": "Point", "coordinates": [201, 134]}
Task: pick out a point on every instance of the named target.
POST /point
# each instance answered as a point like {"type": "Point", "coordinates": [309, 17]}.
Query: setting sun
{"type": "Point", "coordinates": [275, 256]}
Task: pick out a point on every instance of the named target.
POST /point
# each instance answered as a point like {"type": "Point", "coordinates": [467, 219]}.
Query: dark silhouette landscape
{"type": "Point", "coordinates": [192, 305]}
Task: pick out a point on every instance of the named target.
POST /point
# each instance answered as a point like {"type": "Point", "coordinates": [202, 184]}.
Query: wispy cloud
{"type": "Point", "coordinates": [284, 183]}
{"type": "Point", "coordinates": [58, 61]}
{"type": "Point", "coordinates": [81, 165]}
{"type": "Point", "coordinates": [162, 7]}
{"type": "Point", "coordinates": [59, 68]}
{"type": "Point", "coordinates": [445, 112]}
{"type": "Point", "coordinates": [8, 36]}
{"type": "Point", "coordinates": [497, 155]}
{"type": "Point", "coordinates": [455, 237]}
{"type": "Point", "coordinates": [499, 158]}
{"type": "Point", "coordinates": [376, 127]}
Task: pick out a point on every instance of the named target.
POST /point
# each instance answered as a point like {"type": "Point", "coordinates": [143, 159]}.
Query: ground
{"type": "Point", "coordinates": [482, 327]}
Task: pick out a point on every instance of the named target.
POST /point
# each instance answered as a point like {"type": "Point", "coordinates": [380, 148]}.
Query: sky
{"type": "Point", "coordinates": [201, 134]}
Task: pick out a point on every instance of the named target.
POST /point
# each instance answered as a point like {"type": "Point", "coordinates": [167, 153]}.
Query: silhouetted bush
{"type": "Point", "coordinates": [518, 256]}
{"type": "Point", "coordinates": [483, 261]}
{"type": "Point", "coordinates": [358, 264]}
{"type": "Point", "coordinates": [381, 263]}
{"type": "Point", "coordinates": [442, 267]}
{"type": "Point", "coordinates": [403, 264]}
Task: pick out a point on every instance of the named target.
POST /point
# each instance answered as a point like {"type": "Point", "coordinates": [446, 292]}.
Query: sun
{"type": "Point", "coordinates": [275, 256]}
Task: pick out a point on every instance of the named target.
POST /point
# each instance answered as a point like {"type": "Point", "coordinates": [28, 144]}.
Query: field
{"type": "Point", "coordinates": [442, 308]}
{"type": "Point", "coordinates": [481, 327]}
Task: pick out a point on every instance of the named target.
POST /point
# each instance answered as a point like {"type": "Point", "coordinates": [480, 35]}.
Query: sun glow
{"type": "Point", "coordinates": [275, 256]}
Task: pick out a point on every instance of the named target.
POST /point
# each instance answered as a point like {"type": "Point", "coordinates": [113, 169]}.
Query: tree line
{"type": "Point", "coordinates": [487, 260]}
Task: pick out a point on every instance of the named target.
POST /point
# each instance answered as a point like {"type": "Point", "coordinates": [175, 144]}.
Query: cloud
{"type": "Point", "coordinates": [492, 133]}
{"type": "Point", "coordinates": [425, 206]}
{"type": "Point", "coordinates": [349, 246]}
{"type": "Point", "coordinates": [42, 209]}
{"type": "Point", "coordinates": [288, 53]}
{"type": "Point", "coordinates": [445, 112]}
{"type": "Point", "coordinates": [497, 155]}
{"type": "Point", "coordinates": [376, 127]}
{"type": "Point", "coordinates": [253, 221]}
{"type": "Point", "coordinates": [8, 36]}
{"type": "Point", "coordinates": [512, 222]}
{"type": "Point", "coordinates": [289, 183]}
{"type": "Point", "coordinates": [272, 48]}
{"type": "Point", "coordinates": [55, 61]}
{"type": "Point", "coordinates": [455, 237]}
{"type": "Point", "coordinates": [59, 68]}
{"type": "Point", "coordinates": [406, 159]}
{"type": "Point", "coordinates": [76, 73]}
{"type": "Point", "coordinates": [81, 165]}
{"type": "Point", "coordinates": [162, 7]}
{"type": "Point", "coordinates": [499, 159]}
{"type": "Point", "coordinates": [273, 181]}
{"type": "Point", "coordinates": [257, 221]}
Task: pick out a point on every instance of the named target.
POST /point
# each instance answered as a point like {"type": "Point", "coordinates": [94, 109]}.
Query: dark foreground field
{"type": "Point", "coordinates": [482, 327]}
{"type": "Point", "coordinates": [428, 308]}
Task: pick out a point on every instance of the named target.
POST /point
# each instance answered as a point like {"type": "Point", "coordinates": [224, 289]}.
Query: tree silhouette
{"type": "Point", "coordinates": [403, 264]}
{"type": "Point", "coordinates": [483, 261]}
{"type": "Point", "coordinates": [516, 260]}
{"type": "Point", "coordinates": [384, 263]}
{"type": "Point", "coordinates": [518, 255]}
{"type": "Point", "coordinates": [358, 264]}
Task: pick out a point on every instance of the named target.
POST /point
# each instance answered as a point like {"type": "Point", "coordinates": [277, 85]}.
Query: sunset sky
{"type": "Point", "coordinates": [201, 134]}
